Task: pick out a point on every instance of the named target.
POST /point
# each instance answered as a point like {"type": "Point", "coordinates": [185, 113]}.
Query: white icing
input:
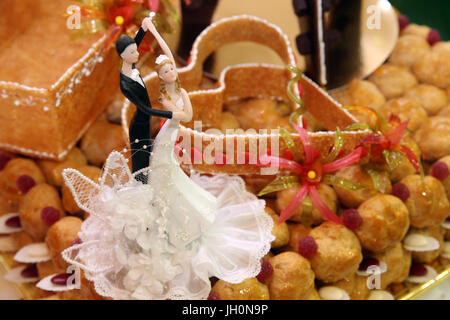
{"type": "Point", "coordinates": [15, 85]}
{"type": "Point", "coordinates": [431, 274]}
{"type": "Point", "coordinates": [7, 244]}
{"type": "Point", "coordinates": [420, 243]}
{"type": "Point", "coordinates": [333, 293]}
{"type": "Point", "coordinates": [90, 60]}
{"type": "Point", "coordinates": [14, 275]}
{"type": "Point", "coordinates": [380, 295]}
{"type": "Point", "coordinates": [29, 101]}
{"type": "Point", "coordinates": [33, 253]}
{"type": "Point", "coordinates": [4, 229]}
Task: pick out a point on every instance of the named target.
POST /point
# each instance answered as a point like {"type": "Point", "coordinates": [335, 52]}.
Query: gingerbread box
{"type": "Point", "coordinates": [51, 88]}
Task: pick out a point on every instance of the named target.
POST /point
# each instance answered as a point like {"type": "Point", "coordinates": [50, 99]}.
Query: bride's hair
{"type": "Point", "coordinates": [162, 87]}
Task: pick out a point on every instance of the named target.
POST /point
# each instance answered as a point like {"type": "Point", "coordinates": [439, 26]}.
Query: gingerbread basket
{"type": "Point", "coordinates": [51, 88]}
{"type": "Point", "coordinates": [248, 81]}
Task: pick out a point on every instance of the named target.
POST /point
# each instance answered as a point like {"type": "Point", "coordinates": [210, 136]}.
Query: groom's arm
{"type": "Point", "coordinates": [140, 36]}
{"type": "Point", "coordinates": [141, 105]}
{"type": "Point", "coordinates": [161, 113]}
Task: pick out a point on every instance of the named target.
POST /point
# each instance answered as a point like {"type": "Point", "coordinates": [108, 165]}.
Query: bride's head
{"type": "Point", "coordinates": [167, 74]}
{"type": "Point", "coordinates": [166, 70]}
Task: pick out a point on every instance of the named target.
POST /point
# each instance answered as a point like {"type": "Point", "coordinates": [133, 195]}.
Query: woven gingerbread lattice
{"type": "Point", "coordinates": [247, 81]}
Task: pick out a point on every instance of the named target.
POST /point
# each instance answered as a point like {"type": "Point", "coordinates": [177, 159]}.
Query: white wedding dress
{"type": "Point", "coordinates": [165, 239]}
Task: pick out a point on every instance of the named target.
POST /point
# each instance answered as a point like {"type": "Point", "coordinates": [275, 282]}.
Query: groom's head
{"type": "Point", "coordinates": [127, 49]}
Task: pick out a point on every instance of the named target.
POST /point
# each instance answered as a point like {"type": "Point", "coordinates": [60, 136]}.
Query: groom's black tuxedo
{"type": "Point", "coordinates": [140, 126]}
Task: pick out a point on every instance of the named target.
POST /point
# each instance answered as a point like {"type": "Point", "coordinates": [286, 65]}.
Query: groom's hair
{"type": "Point", "coordinates": [123, 42]}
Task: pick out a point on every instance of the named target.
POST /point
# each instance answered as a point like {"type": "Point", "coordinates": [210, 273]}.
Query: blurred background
{"type": "Point", "coordinates": [434, 13]}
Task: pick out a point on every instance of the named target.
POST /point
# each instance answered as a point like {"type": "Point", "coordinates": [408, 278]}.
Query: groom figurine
{"type": "Point", "coordinates": [134, 89]}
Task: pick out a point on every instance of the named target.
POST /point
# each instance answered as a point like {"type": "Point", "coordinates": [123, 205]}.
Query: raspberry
{"type": "Point", "coordinates": [307, 246]}
{"type": "Point", "coordinates": [418, 270]}
{"type": "Point", "coordinates": [25, 183]}
{"type": "Point", "coordinates": [61, 279]}
{"type": "Point", "coordinates": [213, 296]}
{"type": "Point", "coordinates": [4, 159]}
{"type": "Point", "coordinates": [403, 21]}
{"type": "Point", "coordinates": [13, 222]}
{"type": "Point", "coordinates": [352, 219]}
{"type": "Point", "coordinates": [50, 215]}
{"type": "Point", "coordinates": [433, 37]}
{"type": "Point", "coordinates": [400, 190]}
{"type": "Point", "coordinates": [30, 271]}
{"type": "Point", "coordinates": [440, 170]}
{"type": "Point", "coordinates": [76, 241]}
{"type": "Point", "coordinates": [366, 263]}
{"type": "Point", "coordinates": [266, 270]}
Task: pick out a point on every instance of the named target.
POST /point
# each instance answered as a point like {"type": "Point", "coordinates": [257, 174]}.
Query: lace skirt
{"type": "Point", "coordinates": [126, 253]}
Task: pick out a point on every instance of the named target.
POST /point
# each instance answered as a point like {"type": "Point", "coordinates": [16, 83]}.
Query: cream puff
{"type": "Point", "coordinates": [228, 122]}
{"type": "Point", "coordinates": [385, 222]}
{"type": "Point", "coordinates": [250, 289]}
{"type": "Point", "coordinates": [18, 177]}
{"type": "Point", "coordinates": [60, 236]}
{"type": "Point", "coordinates": [100, 140]}
{"type": "Point", "coordinates": [434, 67]}
{"type": "Point", "coordinates": [408, 50]}
{"type": "Point", "coordinates": [426, 201]}
{"type": "Point", "coordinates": [356, 173]}
{"type": "Point", "coordinates": [53, 169]}
{"type": "Point", "coordinates": [39, 210]}
{"type": "Point", "coordinates": [398, 262]}
{"type": "Point", "coordinates": [292, 277]}
{"type": "Point", "coordinates": [432, 138]}
{"type": "Point", "coordinates": [333, 251]}
{"type": "Point", "coordinates": [431, 98]}
{"type": "Point", "coordinates": [441, 171]}
{"type": "Point", "coordinates": [280, 230]}
{"type": "Point", "coordinates": [393, 80]}
{"type": "Point", "coordinates": [407, 109]}
{"type": "Point", "coordinates": [425, 244]}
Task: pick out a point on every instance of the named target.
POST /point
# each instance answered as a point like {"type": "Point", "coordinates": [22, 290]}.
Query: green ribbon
{"type": "Point", "coordinates": [280, 183]}
{"type": "Point", "coordinates": [337, 147]}
{"type": "Point", "coordinates": [375, 176]}
{"type": "Point", "coordinates": [393, 159]}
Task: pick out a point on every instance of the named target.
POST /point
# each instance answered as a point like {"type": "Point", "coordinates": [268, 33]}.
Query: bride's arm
{"type": "Point", "coordinates": [187, 105]}
{"type": "Point", "coordinates": [165, 48]}
{"type": "Point", "coordinates": [176, 114]}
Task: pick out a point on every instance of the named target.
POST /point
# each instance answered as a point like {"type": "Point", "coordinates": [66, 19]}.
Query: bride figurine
{"type": "Point", "coordinates": [167, 238]}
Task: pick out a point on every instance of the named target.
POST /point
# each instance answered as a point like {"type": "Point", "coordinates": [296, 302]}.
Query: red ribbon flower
{"type": "Point", "coordinates": [311, 173]}
{"type": "Point", "coordinates": [385, 146]}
